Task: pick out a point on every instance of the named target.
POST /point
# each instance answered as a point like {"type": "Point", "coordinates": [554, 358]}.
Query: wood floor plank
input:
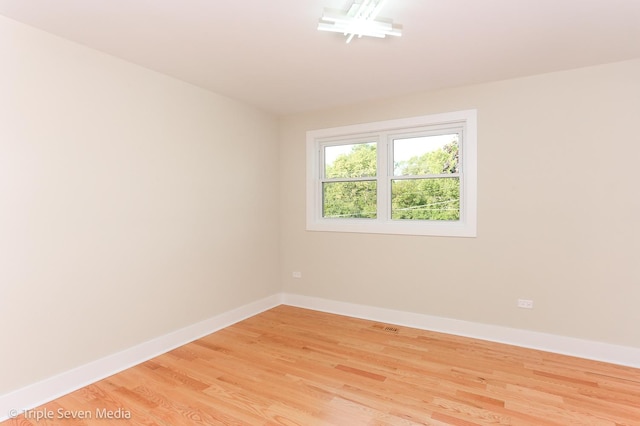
{"type": "Point", "coordinates": [293, 366]}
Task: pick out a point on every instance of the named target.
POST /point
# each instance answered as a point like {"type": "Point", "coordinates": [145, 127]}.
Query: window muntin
{"type": "Point", "coordinates": [423, 182]}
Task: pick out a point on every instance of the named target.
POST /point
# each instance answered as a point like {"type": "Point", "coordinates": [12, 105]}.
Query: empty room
{"type": "Point", "coordinates": [322, 212]}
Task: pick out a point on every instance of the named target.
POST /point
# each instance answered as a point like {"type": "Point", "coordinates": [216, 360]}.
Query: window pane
{"type": "Point", "coordinates": [426, 155]}
{"type": "Point", "coordinates": [349, 161]}
{"type": "Point", "coordinates": [426, 199]}
{"type": "Point", "coordinates": [349, 199]}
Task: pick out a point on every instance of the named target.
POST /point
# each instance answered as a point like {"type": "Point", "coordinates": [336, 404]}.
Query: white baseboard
{"type": "Point", "coordinates": [42, 392]}
{"type": "Point", "coordinates": [615, 354]}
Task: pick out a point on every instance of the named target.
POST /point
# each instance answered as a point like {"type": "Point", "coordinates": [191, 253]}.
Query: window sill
{"type": "Point", "coordinates": [373, 226]}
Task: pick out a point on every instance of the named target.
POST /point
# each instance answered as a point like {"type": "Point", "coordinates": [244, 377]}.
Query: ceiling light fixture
{"type": "Point", "coordinates": [359, 20]}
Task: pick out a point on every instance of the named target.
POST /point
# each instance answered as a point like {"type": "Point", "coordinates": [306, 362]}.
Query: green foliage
{"type": "Point", "coordinates": [441, 161]}
{"type": "Point", "coordinates": [360, 162]}
{"type": "Point", "coordinates": [352, 199]}
{"type": "Point", "coordinates": [433, 198]}
{"type": "Point", "coordinates": [427, 199]}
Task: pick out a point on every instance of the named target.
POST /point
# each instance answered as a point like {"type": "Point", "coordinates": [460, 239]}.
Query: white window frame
{"type": "Point", "coordinates": [382, 131]}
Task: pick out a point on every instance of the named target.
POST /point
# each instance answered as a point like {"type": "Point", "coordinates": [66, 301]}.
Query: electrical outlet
{"type": "Point", "coordinates": [525, 303]}
{"type": "Point", "coordinates": [296, 274]}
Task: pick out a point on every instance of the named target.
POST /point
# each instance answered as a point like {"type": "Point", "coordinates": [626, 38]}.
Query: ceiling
{"type": "Point", "coordinates": [269, 53]}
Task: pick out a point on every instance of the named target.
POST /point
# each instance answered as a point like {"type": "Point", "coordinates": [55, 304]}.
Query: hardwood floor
{"type": "Point", "coordinates": [292, 366]}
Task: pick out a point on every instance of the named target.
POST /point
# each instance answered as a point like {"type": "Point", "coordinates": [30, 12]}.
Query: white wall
{"type": "Point", "coordinates": [131, 204]}
{"type": "Point", "coordinates": [558, 217]}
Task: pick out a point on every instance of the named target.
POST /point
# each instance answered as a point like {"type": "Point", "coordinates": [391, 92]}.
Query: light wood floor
{"type": "Point", "coordinates": [291, 366]}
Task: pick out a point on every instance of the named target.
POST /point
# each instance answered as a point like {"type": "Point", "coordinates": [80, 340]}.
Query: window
{"type": "Point", "coordinates": [412, 176]}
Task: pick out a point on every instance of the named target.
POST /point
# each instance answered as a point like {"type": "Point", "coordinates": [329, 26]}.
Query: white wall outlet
{"type": "Point", "coordinates": [296, 274]}
{"type": "Point", "coordinates": [525, 303]}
